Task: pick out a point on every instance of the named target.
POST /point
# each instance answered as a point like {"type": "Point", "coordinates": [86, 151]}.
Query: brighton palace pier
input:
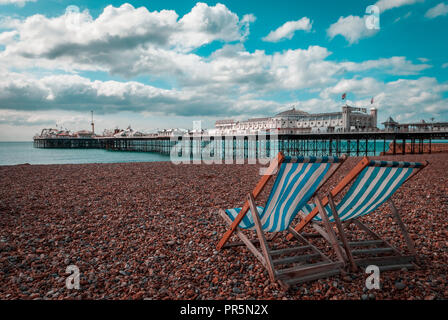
{"type": "Point", "coordinates": [352, 131]}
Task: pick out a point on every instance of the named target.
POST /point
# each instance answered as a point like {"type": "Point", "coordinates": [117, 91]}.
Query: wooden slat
{"type": "Point", "coordinates": [295, 259]}
{"type": "Point", "coordinates": [334, 192]}
{"type": "Point", "coordinates": [239, 244]}
{"type": "Point", "coordinates": [372, 251]}
{"type": "Point", "coordinates": [289, 250]}
{"type": "Point", "coordinates": [315, 276]}
{"type": "Point", "coordinates": [391, 267]}
{"type": "Point", "coordinates": [310, 235]}
{"type": "Point", "coordinates": [366, 229]}
{"type": "Point", "coordinates": [258, 189]}
{"type": "Point", "coordinates": [379, 261]}
{"type": "Point", "coordinates": [282, 272]}
{"type": "Point", "coordinates": [307, 269]}
{"type": "Point", "coordinates": [365, 243]}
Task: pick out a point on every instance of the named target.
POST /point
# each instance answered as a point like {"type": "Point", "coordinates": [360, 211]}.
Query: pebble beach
{"type": "Point", "coordinates": [149, 231]}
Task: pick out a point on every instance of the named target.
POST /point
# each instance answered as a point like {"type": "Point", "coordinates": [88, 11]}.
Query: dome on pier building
{"type": "Point", "coordinates": [292, 112]}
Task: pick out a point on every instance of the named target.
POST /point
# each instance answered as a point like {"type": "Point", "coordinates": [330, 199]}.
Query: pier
{"type": "Point", "coordinates": [251, 146]}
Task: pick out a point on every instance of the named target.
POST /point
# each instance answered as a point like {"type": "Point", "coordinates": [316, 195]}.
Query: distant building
{"type": "Point", "coordinates": [297, 121]}
{"type": "Point", "coordinates": [54, 133]}
{"type": "Point", "coordinates": [391, 125]}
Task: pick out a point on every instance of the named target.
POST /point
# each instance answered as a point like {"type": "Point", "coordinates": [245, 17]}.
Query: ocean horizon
{"type": "Point", "coordinates": [13, 153]}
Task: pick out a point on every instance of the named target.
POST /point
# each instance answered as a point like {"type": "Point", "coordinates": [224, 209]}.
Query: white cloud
{"type": "Point", "coordinates": [41, 118]}
{"type": "Point", "coordinates": [230, 77]}
{"type": "Point", "coordinates": [422, 96]}
{"type": "Point", "coordinates": [204, 24]}
{"type": "Point", "coordinates": [287, 30]}
{"type": "Point", "coordinates": [19, 3]}
{"type": "Point", "coordinates": [394, 65]}
{"type": "Point", "coordinates": [439, 10]}
{"type": "Point", "coordinates": [384, 5]}
{"type": "Point", "coordinates": [303, 68]}
{"type": "Point", "coordinates": [123, 40]}
{"type": "Point", "coordinates": [445, 65]}
{"type": "Point", "coordinates": [125, 28]}
{"type": "Point", "coordinates": [352, 28]}
{"type": "Point", "coordinates": [132, 42]}
{"type": "Point", "coordinates": [363, 87]}
{"type": "Point", "coordinates": [22, 92]}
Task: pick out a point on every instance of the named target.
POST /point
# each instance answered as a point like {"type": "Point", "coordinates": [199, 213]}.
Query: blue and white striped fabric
{"type": "Point", "coordinates": [296, 182]}
{"type": "Point", "coordinates": [373, 186]}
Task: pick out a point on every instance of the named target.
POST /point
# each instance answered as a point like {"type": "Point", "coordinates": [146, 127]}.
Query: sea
{"type": "Point", "coordinates": [13, 153]}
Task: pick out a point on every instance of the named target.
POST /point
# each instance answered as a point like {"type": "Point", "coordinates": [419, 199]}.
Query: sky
{"type": "Point", "coordinates": [164, 64]}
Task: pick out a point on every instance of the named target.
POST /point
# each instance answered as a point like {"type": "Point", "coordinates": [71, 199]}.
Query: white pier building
{"type": "Point", "coordinates": [297, 121]}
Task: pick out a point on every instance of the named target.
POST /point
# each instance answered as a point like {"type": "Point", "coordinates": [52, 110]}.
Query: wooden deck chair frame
{"type": "Point", "coordinates": [388, 262]}
{"type": "Point", "coordinates": [285, 277]}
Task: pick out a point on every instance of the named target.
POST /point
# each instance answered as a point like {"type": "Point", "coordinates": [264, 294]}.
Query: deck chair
{"type": "Point", "coordinates": [374, 184]}
{"type": "Point", "coordinates": [298, 179]}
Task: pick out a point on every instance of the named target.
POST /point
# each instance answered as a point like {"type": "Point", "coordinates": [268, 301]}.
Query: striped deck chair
{"type": "Point", "coordinates": [298, 179]}
{"type": "Point", "coordinates": [374, 183]}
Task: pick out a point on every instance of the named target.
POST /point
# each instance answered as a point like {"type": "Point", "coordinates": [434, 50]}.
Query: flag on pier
{"type": "Point", "coordinates": [371, 101]}
{"type": "Point", "coordinates": [344, 96]}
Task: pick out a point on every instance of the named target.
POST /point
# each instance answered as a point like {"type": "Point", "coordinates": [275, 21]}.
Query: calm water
{"type": "Point", "coordinates": [12, 153]}
{"type": "Point", "coordinates": [23, 152]}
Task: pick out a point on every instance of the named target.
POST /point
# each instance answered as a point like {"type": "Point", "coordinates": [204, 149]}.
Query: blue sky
{"type": "Point", "coordinates": [157, 64]}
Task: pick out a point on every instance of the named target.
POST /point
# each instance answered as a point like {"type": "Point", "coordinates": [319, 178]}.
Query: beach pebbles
{"type": "Point", "coordinates": [149, 231]}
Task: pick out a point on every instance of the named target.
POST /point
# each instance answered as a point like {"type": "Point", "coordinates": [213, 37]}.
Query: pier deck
{"type": "Point", "coordinates": [246, 146]}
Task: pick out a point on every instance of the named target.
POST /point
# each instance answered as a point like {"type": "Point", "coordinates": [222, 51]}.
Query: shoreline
{"type": "Point", "coordinates": [149, 230]}
{"type": "Point", "coordinates": [384, 156]}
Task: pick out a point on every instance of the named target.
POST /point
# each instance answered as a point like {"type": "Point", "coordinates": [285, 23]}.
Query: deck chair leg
{"type": "Point", "coordinates": [330, 231]}
{"type": "Point", "coordinates": [403, 228]}
{"type": "Point", "coordinates": [263, 242]}
{"type": "Point", "coordinates": [245, 239]}
{"type": "Point", "coordinates": [342, 235]}
{"type": "Point", "coordinates": [321, 231]}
